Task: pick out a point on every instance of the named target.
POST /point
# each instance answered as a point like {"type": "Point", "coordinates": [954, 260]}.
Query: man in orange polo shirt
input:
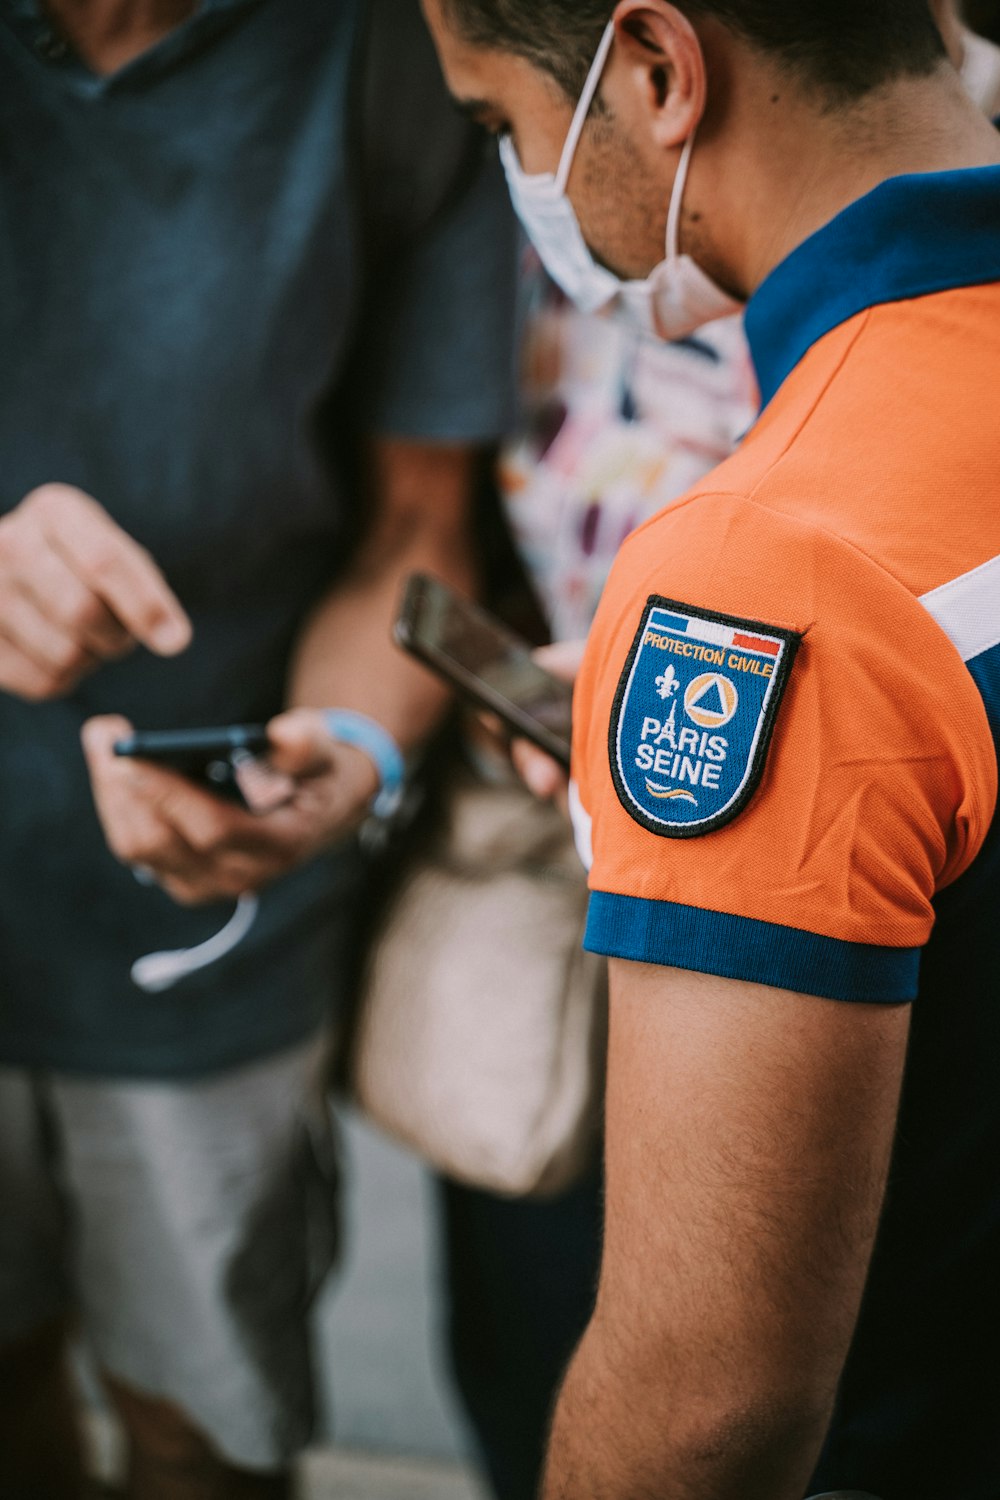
{"type": "Point", "coordinates": [786, 744]}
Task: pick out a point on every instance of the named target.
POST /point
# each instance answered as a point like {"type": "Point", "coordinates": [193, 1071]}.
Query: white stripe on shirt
{"type": "Point", "coordinates": [968, 609]}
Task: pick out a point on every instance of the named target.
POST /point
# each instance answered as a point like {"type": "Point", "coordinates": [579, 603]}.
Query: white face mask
{"type": "Point", "coordinates": [981, 72]}
{"type": "Point", "coordinates": [675, 299]}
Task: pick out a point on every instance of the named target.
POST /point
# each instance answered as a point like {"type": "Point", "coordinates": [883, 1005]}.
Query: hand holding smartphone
{"type": "Point", "coordinates": [488, 663]}
{"type": "Point", "coordinates": [229, 761]}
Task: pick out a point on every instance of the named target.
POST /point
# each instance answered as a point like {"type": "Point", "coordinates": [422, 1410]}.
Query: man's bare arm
{"type": "Point", "coordinates": [422, 501]}
{"type": "Point", "coordinates": [749, 1134]}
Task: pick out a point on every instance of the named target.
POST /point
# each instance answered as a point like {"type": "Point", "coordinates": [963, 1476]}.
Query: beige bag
{"type": "Point", "coordinates": [480, 1040]}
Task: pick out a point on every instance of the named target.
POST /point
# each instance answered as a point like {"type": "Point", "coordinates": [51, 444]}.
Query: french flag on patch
{"type": "Point", "coordinates": [714, 634]}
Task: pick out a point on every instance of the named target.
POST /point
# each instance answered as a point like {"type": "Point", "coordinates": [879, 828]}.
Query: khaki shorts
{"type": "Point", "coordinates": [189, 1224]}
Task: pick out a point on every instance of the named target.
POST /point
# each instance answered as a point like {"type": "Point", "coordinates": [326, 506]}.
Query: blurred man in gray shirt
{"type": "Point", "coordinates": [239, 401]}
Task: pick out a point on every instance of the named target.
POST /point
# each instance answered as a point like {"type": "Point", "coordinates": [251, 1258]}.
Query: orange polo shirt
{"type": "Point", "coordinates": [787, 715]}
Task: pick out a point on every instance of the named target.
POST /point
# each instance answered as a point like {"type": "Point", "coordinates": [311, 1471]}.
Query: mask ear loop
{"type": "Point", "coordinates": [583, 108]}
{"type": "Point", "coordinates": [156, 972]}
{"type": "Point", "coordinates": [677, 200]}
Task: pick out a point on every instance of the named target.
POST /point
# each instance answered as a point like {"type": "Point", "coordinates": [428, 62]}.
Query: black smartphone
{"type": "Point", "coordinates": [490, 664]}
{"type": "Point", "coordinates": [228, 761]}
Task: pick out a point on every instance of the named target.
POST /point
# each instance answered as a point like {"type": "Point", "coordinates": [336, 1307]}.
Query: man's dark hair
{"type": "Point", "coordinates": [844, 48]}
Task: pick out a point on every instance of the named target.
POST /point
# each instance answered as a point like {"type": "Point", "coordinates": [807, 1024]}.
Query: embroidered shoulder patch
{"type": "Point", "coordinates": [694, 714]}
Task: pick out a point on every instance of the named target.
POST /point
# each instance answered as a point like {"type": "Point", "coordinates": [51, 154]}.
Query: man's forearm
{"type": "Point", "coordinates": [346, 656]}
{"type": "Point", "coordinates": [619, 1436]}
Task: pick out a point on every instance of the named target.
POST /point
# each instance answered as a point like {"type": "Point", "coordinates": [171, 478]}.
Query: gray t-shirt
{"type": "Point", "coordinates": [181, 252]}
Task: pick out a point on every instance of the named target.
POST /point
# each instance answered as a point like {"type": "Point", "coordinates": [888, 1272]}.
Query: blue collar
{"type": "Point", "coordinates": [909, 237]}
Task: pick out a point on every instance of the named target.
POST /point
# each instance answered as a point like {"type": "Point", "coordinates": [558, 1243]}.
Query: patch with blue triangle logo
{"type": "Point", "coordinates": [694, 715]}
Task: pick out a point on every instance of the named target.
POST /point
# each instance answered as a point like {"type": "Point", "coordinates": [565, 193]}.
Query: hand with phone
{"type": "Point", "coordinates": [527, 691]}
{"type": "Point", "coordinates": [487, 662]}
{"type": "Point", "coordinates": [76, 591]}
{"type": "Point", "coordinates": [546, 778]}
{"type": "Point", "coordinates": [200, 846]}
{"type": "Point", "coordinates": [231, 762]}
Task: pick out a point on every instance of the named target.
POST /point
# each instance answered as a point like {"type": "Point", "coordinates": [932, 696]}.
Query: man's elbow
{"type": "Point", "coordinates": [746, 1430]}
{"type": "Point", "coordinates": [766, 1444]}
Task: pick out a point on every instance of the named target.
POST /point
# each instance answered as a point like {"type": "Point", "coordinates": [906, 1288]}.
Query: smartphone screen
{"type": "Point", "coordinates": [486, 661]}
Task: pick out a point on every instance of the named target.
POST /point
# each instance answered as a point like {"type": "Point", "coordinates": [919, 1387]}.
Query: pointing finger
{"type": "Point", "coordinates": [116, 568]}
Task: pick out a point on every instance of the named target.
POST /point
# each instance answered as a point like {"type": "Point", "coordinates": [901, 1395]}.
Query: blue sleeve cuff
{"type": "Point", "coordinates": [711, 942]}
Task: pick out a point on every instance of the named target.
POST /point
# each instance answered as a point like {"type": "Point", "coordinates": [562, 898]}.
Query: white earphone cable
{"type": "Point", "coordinates": [156, 972]}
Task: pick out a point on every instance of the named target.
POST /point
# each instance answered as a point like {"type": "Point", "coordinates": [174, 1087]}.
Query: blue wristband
{"type": "Point", "coordinates": [352, 728]}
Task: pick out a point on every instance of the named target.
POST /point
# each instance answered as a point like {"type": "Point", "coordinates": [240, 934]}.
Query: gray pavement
{"type": "Point", "coordinates": [379, 1324]}
{"type": "Point", "coordinates": [360, 1476]}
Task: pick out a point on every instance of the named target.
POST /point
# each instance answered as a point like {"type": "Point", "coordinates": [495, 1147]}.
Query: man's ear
{"type": "Point", "coordinates": [949, 21]}
{"type": "Point", "coordinates": [666, 67]}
